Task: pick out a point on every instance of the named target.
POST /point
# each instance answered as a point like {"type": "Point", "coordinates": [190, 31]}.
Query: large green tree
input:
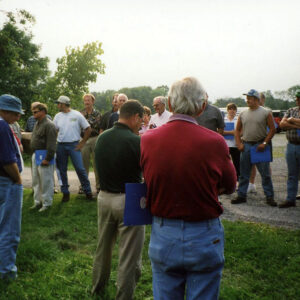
{"type": "Point", "coordinates": [75, 71]}
{"type": "Point", "coordinates": [23, 72]}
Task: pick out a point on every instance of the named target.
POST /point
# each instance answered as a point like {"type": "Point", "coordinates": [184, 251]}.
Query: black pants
{"type": "Point", "coordinates": [235, 155]}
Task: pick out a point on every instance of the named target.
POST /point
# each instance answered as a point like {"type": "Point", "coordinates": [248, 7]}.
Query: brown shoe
{"type": "Point", "coordinates": [89, 197]}
{"type": "Point", "coordinates": [65, 198]}
{"type": "Point", "coordinates": [286, 204]}
{"type": "Point", "coordinates": [270, 201]}
{"type": "Point", "coordinates": [239, 200]}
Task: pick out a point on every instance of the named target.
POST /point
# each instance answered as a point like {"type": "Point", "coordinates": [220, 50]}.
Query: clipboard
{"type": "Point", "coordinates": [136, 212]}
{"type": "Point", "coordinates": [40, 155]}
{"type": "Point", "coordinates": [228, 127]}
{"type": "Point", "coordinates": [257, 156]}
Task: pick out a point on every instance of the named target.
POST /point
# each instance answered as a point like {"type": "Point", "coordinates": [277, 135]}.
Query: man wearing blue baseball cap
{"type": "Point", "coordinates": [251, 130]}
{"type": "Point", "coordinates": [11, 188]}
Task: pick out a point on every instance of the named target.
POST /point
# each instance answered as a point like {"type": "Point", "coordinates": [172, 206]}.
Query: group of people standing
{"type": "Point", "coordinates": [186, 168]}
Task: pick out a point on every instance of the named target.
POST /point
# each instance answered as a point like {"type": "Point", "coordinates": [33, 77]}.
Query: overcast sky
{"type": "Point", "coordinates": [231, 46]}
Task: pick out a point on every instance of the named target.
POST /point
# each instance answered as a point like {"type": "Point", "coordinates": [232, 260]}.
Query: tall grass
{"type": "Point", "coordinates": [55, 257]}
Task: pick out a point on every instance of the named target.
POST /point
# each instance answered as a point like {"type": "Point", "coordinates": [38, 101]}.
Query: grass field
{"type": "Point", "coordinates": [55, 257]}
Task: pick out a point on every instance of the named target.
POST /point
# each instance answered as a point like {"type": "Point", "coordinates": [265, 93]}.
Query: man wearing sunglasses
{"type": "Point", "coordinates": [43, 143]}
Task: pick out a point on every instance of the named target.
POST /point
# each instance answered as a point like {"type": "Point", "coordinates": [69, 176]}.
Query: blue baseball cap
{"type": "Point", "coordinates": [11, 103]}
{"type": "Point", "coordinates": [253, 93]}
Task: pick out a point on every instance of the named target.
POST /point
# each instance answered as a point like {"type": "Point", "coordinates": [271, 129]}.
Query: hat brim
{"type": "Point", "coordinates": [12, 109]}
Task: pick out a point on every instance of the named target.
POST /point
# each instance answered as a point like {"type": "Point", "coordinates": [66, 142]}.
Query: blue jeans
{"type": "Point", "coordinates": [63, 151]}
{"type": "Point", "coordinates": [292, 156]}
{"type": "Point", "coordinates": [11, 196]}
{"type": "Point", "coordinates": [245, 168]}
{"type": "Point", "coordinates": [186, 257]}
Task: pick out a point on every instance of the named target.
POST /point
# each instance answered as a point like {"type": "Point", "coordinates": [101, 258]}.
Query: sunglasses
{"type": "Point", "coordinates": [35, 112]}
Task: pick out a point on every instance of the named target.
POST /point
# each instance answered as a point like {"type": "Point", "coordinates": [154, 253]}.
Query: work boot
{"type": "Point", "coordinates": [286, 204]}
{"type": "Point", "coordinates": [65, 198]}
{"type": "Point", "coordinates": [89, 197]}
{"type": "Point", "coordinates": [270, 201]}
{"type": "Point", "coordinates": [238, 200]}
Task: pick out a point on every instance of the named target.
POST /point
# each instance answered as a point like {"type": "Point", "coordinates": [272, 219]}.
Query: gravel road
{"type": "Point", "coordinates": [255, 210]}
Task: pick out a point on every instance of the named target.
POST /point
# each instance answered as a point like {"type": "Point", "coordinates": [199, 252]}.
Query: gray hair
{"type": "Point", "coordinates": [120, 95]}
{"type": "Point", "coordinates": [162, 99]}
{"type": "Point", "coordinates": [187, 96]}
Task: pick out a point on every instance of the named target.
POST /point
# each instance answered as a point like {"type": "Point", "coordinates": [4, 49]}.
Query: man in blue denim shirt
{"type": "Point", "coordinates": [11, 189]}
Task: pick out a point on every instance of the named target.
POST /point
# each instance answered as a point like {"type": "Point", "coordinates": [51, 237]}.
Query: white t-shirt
{"type": "Point", "coordinates": [69, 126]}
{"type": "Point", "coordinates": [159, 120]}
{"type": "Point", "coordinates": [231, 143]}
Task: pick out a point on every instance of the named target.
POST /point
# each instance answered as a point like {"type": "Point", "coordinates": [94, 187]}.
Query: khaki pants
{"type": "Point", "coordinates": [42, 183]}
{"type": "Point", "coordinates": [131, 240]}
{"type": "Point", "coordinates": [87, 150]}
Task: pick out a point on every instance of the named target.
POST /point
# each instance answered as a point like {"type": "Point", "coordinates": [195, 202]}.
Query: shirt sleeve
{"type": "Point", "coordinates": [221, 123]}
{"type": "Point", "coordinates": [84, 124]}
{"type": "Point", "coordinates": [7, 145]}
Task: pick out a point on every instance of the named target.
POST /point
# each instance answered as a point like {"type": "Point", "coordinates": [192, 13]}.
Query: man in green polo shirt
{"type": "Point", "coordinates": [117, 156]}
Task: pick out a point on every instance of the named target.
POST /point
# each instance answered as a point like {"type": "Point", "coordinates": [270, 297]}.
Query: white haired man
{"type": "Point", "coordinates": [162, 115]}
{"type": "Point", "coordinates": [182, 193]}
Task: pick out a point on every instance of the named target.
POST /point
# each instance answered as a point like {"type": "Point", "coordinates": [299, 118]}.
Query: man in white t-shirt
{"type": "Point", "coordinates": [69, 123]}
{"type": "Point", "coordinates": [162, 115]}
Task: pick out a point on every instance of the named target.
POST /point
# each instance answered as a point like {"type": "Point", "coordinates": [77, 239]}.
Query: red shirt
{"type": "Point", "coordinates": [184, 166]}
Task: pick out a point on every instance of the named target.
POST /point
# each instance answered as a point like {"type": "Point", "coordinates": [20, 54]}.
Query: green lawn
{"type": "Point", "coordinates": [55, 257]}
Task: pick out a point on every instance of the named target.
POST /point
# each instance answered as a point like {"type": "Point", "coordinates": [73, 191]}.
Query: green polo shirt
{"type": "Point", "coordinates": [117, 156]}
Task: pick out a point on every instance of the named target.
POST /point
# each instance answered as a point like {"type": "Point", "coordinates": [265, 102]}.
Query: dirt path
{"type": "Point", "coordinates": [254, 210]}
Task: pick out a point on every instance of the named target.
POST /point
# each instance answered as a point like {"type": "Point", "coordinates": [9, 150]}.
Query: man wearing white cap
{"type": "Point", "coordinates": [11, 188]}
{"type": "Point", "coordinates": [69, 124]}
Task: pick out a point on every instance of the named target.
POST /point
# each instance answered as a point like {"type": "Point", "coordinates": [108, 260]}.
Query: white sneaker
{"type": "Point", "coordinates": [251, 188]}
{"type": "Point", "coordinates": [44, 208]}
{"type": "Point", "coordinates": [35, 206]}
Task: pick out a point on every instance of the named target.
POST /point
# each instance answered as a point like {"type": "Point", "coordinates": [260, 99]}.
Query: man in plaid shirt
{"type": "Point", "coordinates": [291, 123]}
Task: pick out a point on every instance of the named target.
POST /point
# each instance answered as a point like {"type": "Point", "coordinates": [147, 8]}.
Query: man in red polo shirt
{"type": "Point", "coordinates": [186, 167]}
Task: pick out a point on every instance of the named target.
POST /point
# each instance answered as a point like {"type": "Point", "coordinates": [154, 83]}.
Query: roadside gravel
{"type": "Point", "coordinates": [255, 210]}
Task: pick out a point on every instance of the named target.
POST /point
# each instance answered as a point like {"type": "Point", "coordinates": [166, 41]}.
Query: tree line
{"type": "Point", "coordinates": [25, 74]}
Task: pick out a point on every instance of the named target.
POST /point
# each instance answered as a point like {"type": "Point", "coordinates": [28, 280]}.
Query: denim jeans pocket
{"type": "Point", "coordinates": [160, 249]}
{"type": "Point", "coordinates": [206, 254]}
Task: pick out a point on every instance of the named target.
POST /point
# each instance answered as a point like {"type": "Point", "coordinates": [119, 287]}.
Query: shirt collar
{"type": "Point", "coordinates": [182, 117]}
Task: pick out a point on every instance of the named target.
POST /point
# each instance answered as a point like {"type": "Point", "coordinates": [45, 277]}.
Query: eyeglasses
{"type": "Point", "coordinates": [35, 112]}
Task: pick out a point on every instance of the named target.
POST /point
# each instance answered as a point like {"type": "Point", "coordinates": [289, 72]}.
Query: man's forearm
{"type": "Point", "coordinates": [13, 171]}
{"type": "Point", "coordinates": [86, 135]}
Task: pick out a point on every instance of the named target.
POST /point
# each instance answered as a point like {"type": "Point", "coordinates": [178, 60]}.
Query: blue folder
{"type": "Point", "coordinates": [40, 155]}
{"type": "Point", "coordinates": [228, 127]}
{"type": "Point", "coordinates": [257, 156]}
{"type": "Point", "coordinates": [136, 212]}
